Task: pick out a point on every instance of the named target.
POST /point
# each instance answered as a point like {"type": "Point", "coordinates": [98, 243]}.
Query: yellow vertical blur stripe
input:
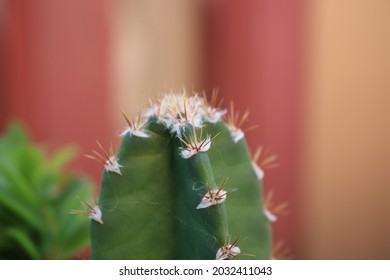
{"type": "Point", "coordinates": [155, 46]}
{"type": "Point", "coordinates": [347, 142]}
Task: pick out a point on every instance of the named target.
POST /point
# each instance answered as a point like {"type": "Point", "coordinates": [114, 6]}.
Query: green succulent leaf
{"type": "Point", "coordinates": [36, 197]}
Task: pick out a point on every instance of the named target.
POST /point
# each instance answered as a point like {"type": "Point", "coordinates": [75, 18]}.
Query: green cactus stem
{"type": "Point", "coordinates": [182, 186]}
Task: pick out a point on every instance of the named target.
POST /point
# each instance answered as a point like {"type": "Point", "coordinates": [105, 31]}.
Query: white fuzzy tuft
{"type": "Point", "coordinates": [112, 165]}
{"type": "Point", "coordinates": [271, 217]}
{"type": "Point", "coordinates": [194, 148]}
{"type": "Point", "coordinates": [136, 132]}
{"type": "Point", "coordinates": [214, 115]}
{"type": "Point", "coordinates": [96, 215]}
{"type": "Point", "coordinates": [186, 154]}
{"type": "Point", "coordinates": [236, 133]}
{"type": "Point", "coordinates": [176, 110]}
{"type": "Point", "coordinates": [227, 252]}
{"type": "Point", "coordinates": [153, 111]}
{"type": "Point", "coordinates": [212, 198]}
{"type": "Point", "coordinates": [259, 172]}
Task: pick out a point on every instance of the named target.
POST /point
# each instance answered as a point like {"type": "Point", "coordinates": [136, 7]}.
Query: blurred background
{"type": "Point", "coordinates": [313, 74]}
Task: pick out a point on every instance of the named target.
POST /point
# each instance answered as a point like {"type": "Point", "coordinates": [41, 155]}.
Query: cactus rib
{"type": "Point", "coordinates": [168, 193]}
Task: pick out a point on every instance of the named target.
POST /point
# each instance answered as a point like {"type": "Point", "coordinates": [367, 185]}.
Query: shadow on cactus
{"type": "Point", "coordinates": [35, 198]}
{"type": "Point", "coordinates": [182, 186]}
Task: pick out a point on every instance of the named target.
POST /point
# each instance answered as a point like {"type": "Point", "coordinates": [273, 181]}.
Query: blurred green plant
{"type": "Point", "coordinates": [36, 196]}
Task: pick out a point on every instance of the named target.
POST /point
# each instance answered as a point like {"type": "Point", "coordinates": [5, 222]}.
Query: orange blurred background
{"type": "Point", "coordinates": [313, 74]}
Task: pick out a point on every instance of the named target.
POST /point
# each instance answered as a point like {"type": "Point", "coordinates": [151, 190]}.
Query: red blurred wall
{"type": "Point", "coordinates": [255, 53]}
{"type": "Point", "coordinates": [55, 78]}
{"type": "Point", "coordinates": [54, 72]}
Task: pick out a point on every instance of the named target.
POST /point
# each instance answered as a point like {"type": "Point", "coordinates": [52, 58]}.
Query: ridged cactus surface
{"type": "Point", "coordinates": [182, 186]}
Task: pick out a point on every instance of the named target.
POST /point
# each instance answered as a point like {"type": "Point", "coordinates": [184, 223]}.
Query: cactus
{"type": "Point", "coordinates": [182, 186]}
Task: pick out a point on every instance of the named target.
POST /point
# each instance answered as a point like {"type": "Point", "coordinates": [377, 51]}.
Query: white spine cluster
{"type": "Point", "coordinates": [214, 115]}
{"type": "Point", "coordinates": [271, 217]}
{"type": "Point", "coordinates": [227, 252]}
{"type": "Point", "coordinates": [96, 215]}
{"type": "Point", "coordinates": [135, 127]}
{"type": "Point", "coordinates": [112, 165]}
{"type": "Point", "coordinates": [271, 210]}
{"type": "Point", "coordinates": [212, 198]}
{"type": "Point", "coordinates": [195, 147]}
{"type": "Point", "coordinates": [236, 133]}
{"type": "Point", "coordinates": [93, 212]}
{"type": "Point", "coordinates": [177, 110]}
{"type": "Point", "coordinates": [136, 132]}
{"type": "Point", "coordinates": [259, 172]}
{"type": "Point", "coordinates": [174, 111]}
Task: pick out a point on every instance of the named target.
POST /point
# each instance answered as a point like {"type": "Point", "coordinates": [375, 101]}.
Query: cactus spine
{"type": "Point", "coordinates": [182, 186]}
